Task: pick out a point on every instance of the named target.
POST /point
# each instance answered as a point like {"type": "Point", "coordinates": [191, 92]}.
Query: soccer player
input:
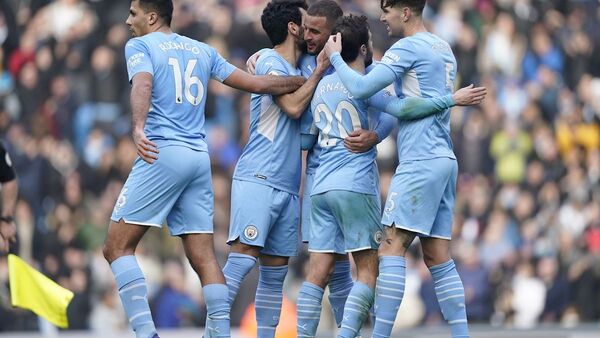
{"type": "Point", "coordinates": [318, 25]}
{"type": "Point", "coordinates": [345, 197]}
{"type": "Point", "coordinates": [421, 196]}
{"type": "Point", "coordinates": [8, 182]}
{"type": "Point", "coordinates": [265, 208]}
{"type": "Point", "coordinates": [171, 178]}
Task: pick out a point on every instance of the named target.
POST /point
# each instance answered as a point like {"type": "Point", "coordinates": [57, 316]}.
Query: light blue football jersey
{"type": "Point", "coordinates": [181, 68]}
{"type": "Point", "coordinates": [425, 67]}
{"type": "Point", "coordinates": [273, 154]}
{"type": "Point", "coordinates": [307, 65]}
{"type": "Point", "coordinates": [337, 113]}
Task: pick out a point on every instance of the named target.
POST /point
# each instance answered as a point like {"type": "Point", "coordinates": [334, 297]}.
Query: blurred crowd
{"type": "Point", "coordinates": [527, 220]}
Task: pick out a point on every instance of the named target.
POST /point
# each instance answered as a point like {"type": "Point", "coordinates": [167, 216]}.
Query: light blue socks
{"type": "Point", "coordinates": [269, 296]}
{"type": "Point", "coordinates": [134, 295]}
{"type": "Point", "coordinates": [451, 297]}
{"type": "Point", "coordinates": [217, 308]}
{"type": "Point", "coordinates": [356, 310]}
{"type": "Point", "coordinates": [340, 285]}
{"type": "Point", "coordinates": [309, 309]}
{"type": "Point", "coordinates": [389, 293]}
{"type": "Point", "coordinates": [235, 270]}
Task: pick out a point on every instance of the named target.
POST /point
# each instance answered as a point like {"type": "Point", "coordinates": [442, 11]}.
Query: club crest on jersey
{"type": "Point", "coordinates": [122, 199]}
{"type": "Point", "coordinates": [378, 236]}
{"type": "Point", "coordinates": [251, 232]}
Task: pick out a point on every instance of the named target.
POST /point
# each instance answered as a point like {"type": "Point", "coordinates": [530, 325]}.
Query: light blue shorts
{"type": "Point", "coordinates": [345, 221]}
{"type": "Point", "coordinates": [421, 197]}
{"type": "Point", "coordinates": [177, 188]}
{"type": "Point", "coordinates": [306, 204]}
{"type": "Point", "coordinates": [265, 217]}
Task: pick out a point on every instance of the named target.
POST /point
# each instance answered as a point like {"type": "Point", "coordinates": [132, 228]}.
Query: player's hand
{"type": "Point", "coordinates": [8, 234]}
{"type": "Point", "coordinates": [146, 149]}
{"type": "Point", "coordinates": [360, 140]}
{"type": "Point", "coordinates": [333, 45]}
{"type": "Point", "coordinates": [251, 63]}
{"type": "Point", "coordinates": [323, 62]}
{"type": "Point", "coordinates": [469, 96]}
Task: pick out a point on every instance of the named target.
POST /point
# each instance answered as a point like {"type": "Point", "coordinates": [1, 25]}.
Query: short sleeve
{"type": "Point", "coordinates": [271, 65]}
{"type": "Point", "coordinates": [7, 173]}
{"type": "Point", "coordinates": [220, 68]}
{"type": "Point", "coordinates": [400, 57]}
{"type": "Point", "coordinates": [138, 58]}
{"type": "Point", "coordinates": [307, 125]}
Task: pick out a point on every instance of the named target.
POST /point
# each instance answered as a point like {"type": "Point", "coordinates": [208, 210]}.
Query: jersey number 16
{"type": "Point", "coordinates": [187, 83]}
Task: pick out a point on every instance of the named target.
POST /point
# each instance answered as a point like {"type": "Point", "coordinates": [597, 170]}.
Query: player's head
{"type": "Point", "coordinates": [396, 14]}
{"type": "Point", "coordinates": [356, 38]}
{"type": "Point", "coordinates": [318, 24]}
{"type": "Point", "coordinates": [283, 17]}
{"type": "Point", "coordinates": [146, 16]}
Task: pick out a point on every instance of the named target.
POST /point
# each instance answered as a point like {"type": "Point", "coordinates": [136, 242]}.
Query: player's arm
{"type": "Point", "coordinates": [264, 84]}
{"type": "Point", "coordinates": [294, 104]}
{"type": "Point", "coordinates": [225, 72]}
{"type": "Point", "coordinates": [8, 180]}
{"type": "Point", "coordinates": [412, 108]}
{"type": "Point", "coordinates": [362, 140]}
{"type": "Point", "coordinates": [360, 86]}
{"type": "Point", "coordinates": [140, 71]}
{"type": "Point", "coordinates": [141, 93]}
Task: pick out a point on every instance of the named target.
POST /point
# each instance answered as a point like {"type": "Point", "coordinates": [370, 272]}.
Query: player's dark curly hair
{"type": "Point", "coordinates": [355, 33]}
{"type": "Point", "coordinates": [164, 9]}
{"type": "Point", "coordinates": [416, 5]}
{"type": "Point", "coordinates": [326, 8]}
{"type": "Point", "coordinates": [276, 16]}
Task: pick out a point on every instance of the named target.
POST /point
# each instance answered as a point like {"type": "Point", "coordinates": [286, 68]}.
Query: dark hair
{"type": "Point", "coordinates": [164, 9]}
{"type": "Point", "coordinates": [326, 8]}
{"type": "Point", "coordinates": [355, 33]}
{"type": "Point", "coordinates": [276, 16]}
{"type": "Point", "coordinates": [417, 6]}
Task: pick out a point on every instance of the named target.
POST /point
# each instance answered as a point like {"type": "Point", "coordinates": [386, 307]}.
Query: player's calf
{"type": "Point", "coordinates": [362, 294]}
{"type": "Point", "coordinates": [451, 297]}
{"type": "Point", "coordinates": [269, 296]}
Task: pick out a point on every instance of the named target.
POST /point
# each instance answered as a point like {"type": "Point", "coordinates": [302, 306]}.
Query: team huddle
{"type": "Point", "coordinates": [318, 89]}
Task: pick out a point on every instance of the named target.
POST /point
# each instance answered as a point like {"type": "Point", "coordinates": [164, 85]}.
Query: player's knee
{"type": "Point", "coordinates": [391, 248]}
{"type": "Point", "coordinates": [432, 258]}
{"type": "Point", "coordinates": [320, 275]}
{"type": "Point", "coordinates": [111, 252]}
{"type": "Point", "coordinates": [245, 249]}
{"type": "Point", "coordinates": [107, 253]}
{"type": "Point", "coordinates": [367, 276]}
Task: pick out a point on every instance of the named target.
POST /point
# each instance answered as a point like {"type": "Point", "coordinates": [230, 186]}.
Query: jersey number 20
{"type": "Point", "coordinates": [187, 83]}
{"type": "Point", "coordinates": [325, 134]}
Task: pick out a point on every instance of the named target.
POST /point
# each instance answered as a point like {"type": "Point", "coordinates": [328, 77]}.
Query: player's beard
{"type": "Point", "coordinates": [369, 57]}
{"type": "Point", "coordinates": [301, 44]}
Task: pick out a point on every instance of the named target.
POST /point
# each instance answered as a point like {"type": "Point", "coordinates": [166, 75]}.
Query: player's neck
{"type": "Point", "coordinates": [289, 50]}
{"type": "Point", "coordinates": [161, 28]}
{"type": "Point", "coordinates": [358, 65]}
{"type": "Point", "coordinates": [414, 27]}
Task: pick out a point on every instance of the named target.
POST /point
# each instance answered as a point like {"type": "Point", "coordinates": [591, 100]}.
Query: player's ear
{"type": "Point", "coordinates": [293, 28]}
{"type": "Point", "coordinates": [363, 50]}
{"type": "Point", "coordinates": [153, 18]}
{"type": "Point", "coordinates": [406, 13]}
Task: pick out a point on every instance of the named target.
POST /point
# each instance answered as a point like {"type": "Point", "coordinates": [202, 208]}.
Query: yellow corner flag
{"type": "Point", "coordinates": [31, 290]}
